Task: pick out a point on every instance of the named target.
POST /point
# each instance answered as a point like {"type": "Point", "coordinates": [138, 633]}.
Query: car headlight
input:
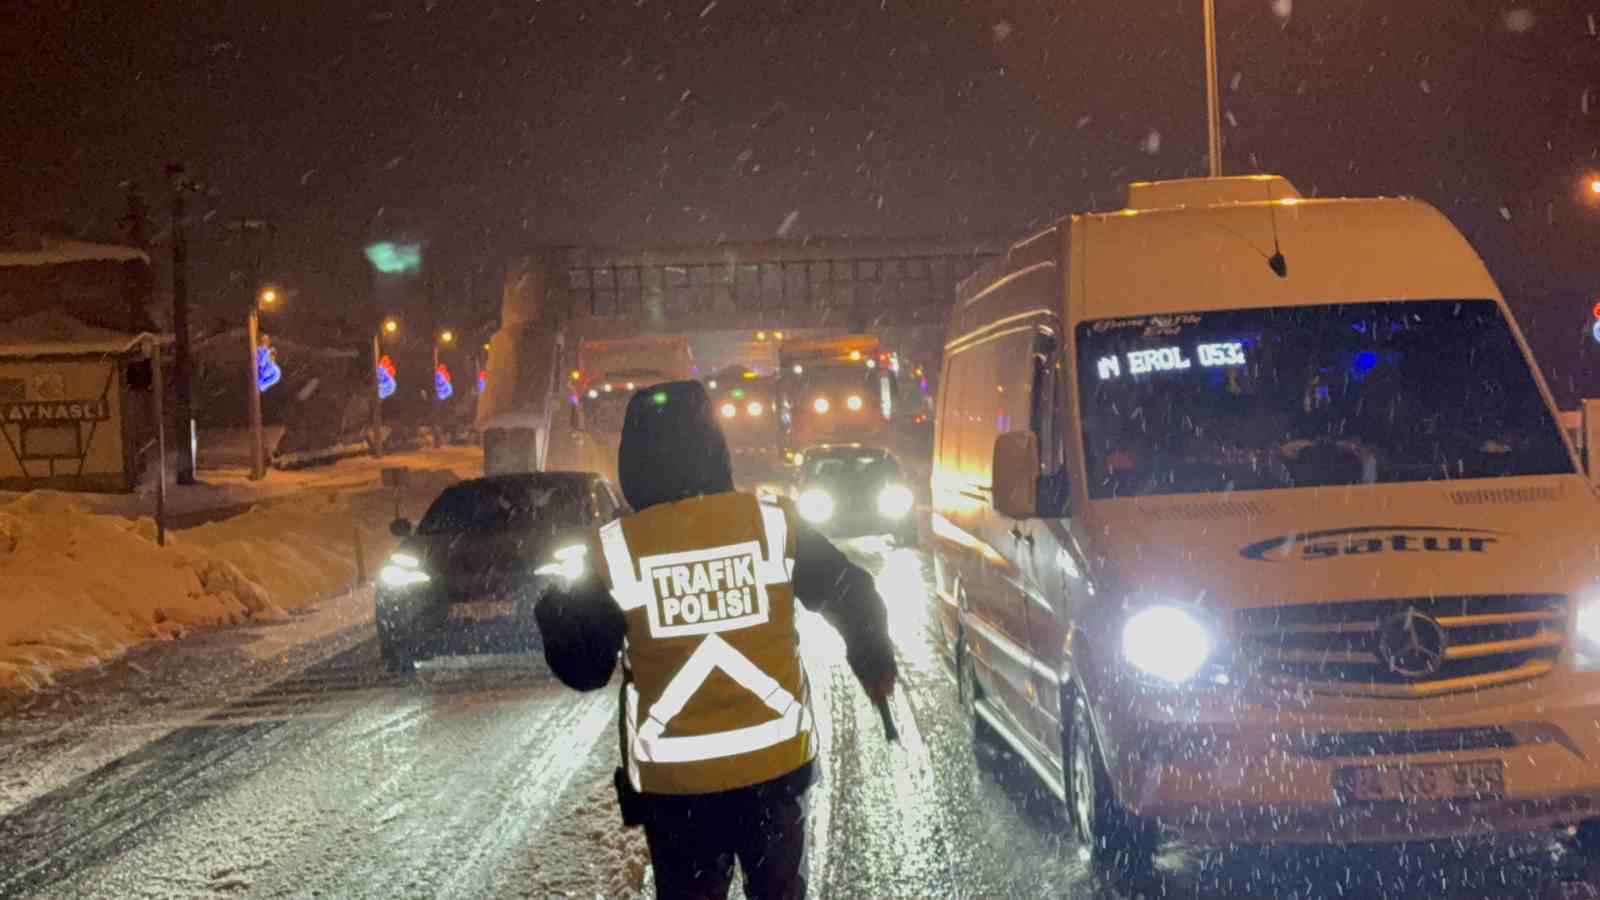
{"type": "Point", "coordinates": [894, 501]}
{"type": "Point", "coordinates": [1588, 631]}
{"type": "Point", "coordinates": [854, 403]}
{"type": "Point", "coordinates": [821, 405]}
{"type": "Point", "coordinates": [402, 570]}
{"type": "Point", "coordinates": [815, 506]}
{"type": "Point", "coordinates": [729, 410]}
{"type": "Point", "coordinates": [753, 409]}
{"type": "Point", "coordinates": [570, 562]}
{"type": "Point", "coordinates": [1168, 642]}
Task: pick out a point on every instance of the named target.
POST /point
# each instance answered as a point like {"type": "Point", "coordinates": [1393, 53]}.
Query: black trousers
{"type": "Point", "coordinates": [695, 840]}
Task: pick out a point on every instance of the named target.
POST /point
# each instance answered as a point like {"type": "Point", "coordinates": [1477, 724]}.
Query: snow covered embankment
{"type": "Point", "coordinates": [78, 588]}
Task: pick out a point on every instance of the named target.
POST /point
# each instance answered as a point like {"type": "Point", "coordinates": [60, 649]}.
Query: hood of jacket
{"type": "Point", "coordinates": [672, 447]}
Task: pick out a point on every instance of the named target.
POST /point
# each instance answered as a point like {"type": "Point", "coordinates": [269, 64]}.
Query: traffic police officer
{"type": "Point", "coordinates": [696, 590]}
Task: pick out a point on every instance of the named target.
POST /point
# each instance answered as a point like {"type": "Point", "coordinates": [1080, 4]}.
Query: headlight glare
{"type": "Point", "coordinates": [854, 402]}
{"type": "Point", "coordinates": [729, 410]}
{"type": "Point", "coordinates": [894, 501]}
{"type": "Point", "coordinates": [815, 506]}
{"type": "Point", "coordinates": [399, 576]}
{"type": "Point", "coordinates": [753, 409]}
{"type": "Point", "coordinates": [821, 405]}
{"type": "Point", "coordinates": [1588, 631]}
{"type": "Point", "coordinates": [1167, 642]}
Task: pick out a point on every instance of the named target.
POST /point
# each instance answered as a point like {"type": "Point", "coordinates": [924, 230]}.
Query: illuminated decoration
{"type": "Point", "coordinates": [1222, 355]}
{"type": "Point", "coordinates": [1364, 361]}
{"type": "Point", "coordinates": [749, 376]}
{"type": "Point", "coordinates": [394, 259]}
{"type": "Point", "coordinates": [442, 386]}
{"type": "Point", "coordinates": [659, 398]}
{"type": "Point", "coordinates": [1595, 332]}
{"type": "Point", "coordinates": [483, 381]}
{"type": "Point", "coordinates": [575, 375]}
{"type": "Point", "coordinates": [737, 393]}
{"type": "Point", "coordinates": [855, 355]}
{"type": "Point", "coordinates": [390, 326]}
{"type": "Point", "coordinates": [267, 371]}
{"type": "Point", "coordinates": [386, 380]}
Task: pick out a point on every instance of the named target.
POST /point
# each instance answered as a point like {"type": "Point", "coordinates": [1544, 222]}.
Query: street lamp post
{"type": "Point", "coordinates": [1213, 112]}
{"type": "Point", "coordinates": [258, 454]}
{"type": "Point", "coordinates": [389, 326]}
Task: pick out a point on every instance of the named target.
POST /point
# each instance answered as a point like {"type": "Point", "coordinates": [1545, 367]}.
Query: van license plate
{"type": "Point", "coordinates": [1484, 779]}
{"type": "Point", "coordinates": [479, 610]}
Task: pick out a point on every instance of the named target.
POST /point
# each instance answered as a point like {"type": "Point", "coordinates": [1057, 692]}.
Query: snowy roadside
{"type": "Point", "coordinates": [84, 582]}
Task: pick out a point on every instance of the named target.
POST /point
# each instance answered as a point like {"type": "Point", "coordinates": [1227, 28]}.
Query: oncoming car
{"type": "Point", "coordinates": [847, 490]}
{"type": "Point", "coordinates": [467, 578]}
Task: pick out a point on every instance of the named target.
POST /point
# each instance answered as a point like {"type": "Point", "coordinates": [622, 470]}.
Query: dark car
{"type": "Point", "coordinates": [849, 490]}
{"type": "Point", "coordinates": [466, 580]}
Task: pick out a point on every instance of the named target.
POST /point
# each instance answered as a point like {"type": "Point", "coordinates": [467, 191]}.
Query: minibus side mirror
{"type": "Point", "coordinates": [1015, 491]}
{"type": "Point", "coordinates": [1590, 432]}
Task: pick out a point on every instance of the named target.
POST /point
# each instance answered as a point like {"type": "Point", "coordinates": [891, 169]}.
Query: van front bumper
{"type": "Point", "coordinates": [1224, 766]}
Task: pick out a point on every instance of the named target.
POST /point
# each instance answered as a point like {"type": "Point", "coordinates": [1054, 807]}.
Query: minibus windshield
{"type": "Point", "coordinates": [1308, 396]}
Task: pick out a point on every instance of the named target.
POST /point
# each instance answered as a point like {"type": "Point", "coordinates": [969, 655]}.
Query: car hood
{"type": "Point", "coordinates": [1272, 548]}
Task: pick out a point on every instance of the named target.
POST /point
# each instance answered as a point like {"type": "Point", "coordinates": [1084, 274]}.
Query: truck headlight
{"type": "Point", "coordinates": [402, 570]}
{"type": "Point", "coordinates": [815, 506]}
{"type": "Point", "coordinates": [1168, 642]}
{"type": "Point", "coordinates": [894, 501]}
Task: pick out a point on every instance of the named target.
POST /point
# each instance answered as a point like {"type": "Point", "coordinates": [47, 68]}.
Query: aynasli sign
{"type": "Point", "coordinates": [61, 411]}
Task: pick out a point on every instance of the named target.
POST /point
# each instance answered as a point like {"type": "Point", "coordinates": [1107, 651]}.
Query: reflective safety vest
{"type": "Point", "coordinates": [714, 694]}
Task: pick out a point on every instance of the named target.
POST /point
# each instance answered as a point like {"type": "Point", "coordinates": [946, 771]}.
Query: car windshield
{"type": "Point", "coordinates": [860, 467]}
{"type": "Point", "coordinates": [494, 505]}
{"type": "Point", "coordinates": [1310, 396]}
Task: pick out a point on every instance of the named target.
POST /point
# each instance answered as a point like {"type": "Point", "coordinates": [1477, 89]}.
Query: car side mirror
{"type": "Point", "coordinates": [1590, 434]}
{"type": "Point", "coordinates": [1015, 491]}
{"type": "Point", "coordinates": [400, 528]}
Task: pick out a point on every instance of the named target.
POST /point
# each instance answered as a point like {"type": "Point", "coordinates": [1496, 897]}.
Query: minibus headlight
{"type": "Point", "coordinates": [854, 402]}
{"type": "Point", "coordinates": [729, 410]}
{"type": "Point", "coordinates": [821, 405]}
{"type": "Point", "coordinates": [815, 506]}
{"type": "Point", "coordinates": [1167, 642]}
{"type": "Point", "coordinates": [1588, 631]}
{"type": "Point", "coordinates": [754, 409]}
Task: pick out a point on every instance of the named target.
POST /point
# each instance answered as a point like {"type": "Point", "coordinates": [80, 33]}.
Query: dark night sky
{"type": "Point", "coordinates": [490, 126]}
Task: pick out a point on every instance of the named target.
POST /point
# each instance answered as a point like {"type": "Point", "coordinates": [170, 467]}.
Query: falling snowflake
{"type": "Point", "coordinates": [709, 7]}
{"type": "Point", "coordinates": [788, 223]}
{"type": "Point", "coordinates": [1151, 143]}
{"type": "Point", "coordinates": [1505, 213]}
{"type": "Point", "coordinates": [1519, 20]}
{"type": "Point", "coordinates": [1426, 87]}
{"type": "Point", "coordinates": [1282, 8]}
{"type": "Point", "coordinates": [1083, 121]}
{"type": "Point", "coordinates": [1234, 84]}
{"type": "Point", "coordinates": [1002, 30]}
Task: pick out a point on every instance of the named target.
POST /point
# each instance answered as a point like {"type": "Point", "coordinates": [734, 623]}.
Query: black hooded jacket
{"type": "Point", "coordinates": [673, 449]}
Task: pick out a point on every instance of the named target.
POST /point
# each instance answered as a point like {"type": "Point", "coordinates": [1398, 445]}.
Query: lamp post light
{"type": "Point", "coordinates": [390, 326]}
{"type": "Point", "coordinates": [265, 298]}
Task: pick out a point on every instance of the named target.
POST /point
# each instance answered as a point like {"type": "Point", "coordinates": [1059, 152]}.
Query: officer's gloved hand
{"type": "Point", "coordinates": [877, 676]}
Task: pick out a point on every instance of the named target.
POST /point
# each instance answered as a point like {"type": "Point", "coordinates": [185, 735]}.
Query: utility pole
{"type": "Point", "coordinates": [377, 396]}
{"type": "Point", "coordinates": [1213, 114]}
{"type": "Point", "coordinates": [181, 366]}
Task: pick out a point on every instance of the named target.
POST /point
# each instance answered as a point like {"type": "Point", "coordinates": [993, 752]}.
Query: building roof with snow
{"type": "Point", "coordinates": [54, 333]}
{"type": "Point", "coordinates": [51, 252]}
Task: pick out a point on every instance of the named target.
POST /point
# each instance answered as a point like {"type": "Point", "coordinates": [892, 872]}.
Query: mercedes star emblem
{"type": "Point", "coordinates": [1411, 644]}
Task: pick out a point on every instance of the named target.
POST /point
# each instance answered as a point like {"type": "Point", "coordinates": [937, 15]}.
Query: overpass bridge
{"type": "Point", "coordinates": [899, 288]}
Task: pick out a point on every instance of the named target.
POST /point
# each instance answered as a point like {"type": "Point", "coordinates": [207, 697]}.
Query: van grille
{"type": "Point", "coordinates": [1334, 647]}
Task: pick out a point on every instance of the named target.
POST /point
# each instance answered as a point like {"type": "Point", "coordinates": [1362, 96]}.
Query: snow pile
{"type": "Point", "coordinates": [81, 587]}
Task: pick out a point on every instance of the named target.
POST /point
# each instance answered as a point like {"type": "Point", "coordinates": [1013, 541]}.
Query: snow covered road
{"type": "Point", "coordinates": [486, 778]}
